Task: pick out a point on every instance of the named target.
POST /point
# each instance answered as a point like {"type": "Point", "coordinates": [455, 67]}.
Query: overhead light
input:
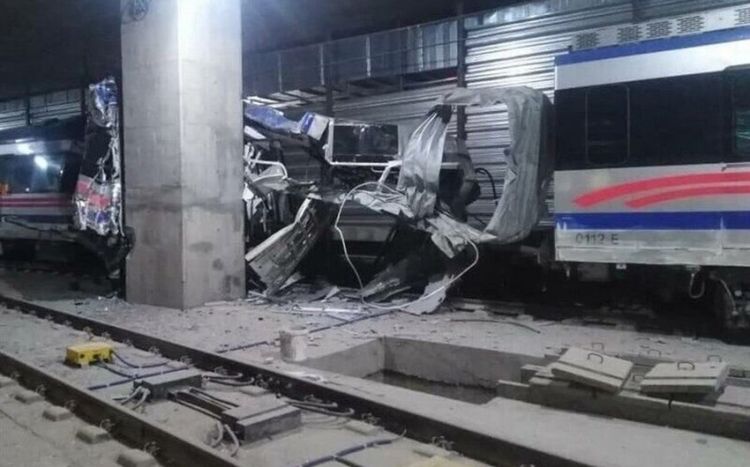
{"type": "Point", "coordinates": [41, 162]}
{"type": "Point", "coordinates": [24, 148]}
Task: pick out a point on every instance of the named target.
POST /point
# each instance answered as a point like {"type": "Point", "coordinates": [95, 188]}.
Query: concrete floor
{"type": "Point", "coordinates": [584, 438]}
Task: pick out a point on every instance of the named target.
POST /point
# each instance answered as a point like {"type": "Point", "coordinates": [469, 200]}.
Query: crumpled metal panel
{"type": "Point", "coordinates": [421, 161]}
{"type": "Point", "coordinates": [275, 259]}
{"type": "Point", "coordinates": [528, 159]}
{"type": "Point", "coordinates": [98, 194]}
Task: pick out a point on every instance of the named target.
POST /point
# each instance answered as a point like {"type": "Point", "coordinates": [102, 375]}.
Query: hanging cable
{"type": "Point", "coordinates": [492, 180]}
{"type": "Point", "coordinates": [691, 286]}
{"type": "Point", "coordinates": [143, 366]}
{"type": "Point", "coordinates": [213, 442]}
{"type": "Point", "coordinates": [235, 441]}
{"type": "Point", "coordinates": [115, 370]}
{"type": "Point", "coordinates": [144, 395]}
{"type": "Point", "coordinates": [345, 452]}
{"type": "Point", "coordinates": [338, 230]}
{"type": "Point", "coordinates": [356, 272]}
{"type": "Point", "coordinates": [135, 393]}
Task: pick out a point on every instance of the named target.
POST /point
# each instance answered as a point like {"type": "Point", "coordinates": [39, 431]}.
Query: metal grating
{"type": "Point", "coordinates": [39, 108]}
{"type": "Point", "coordinates": [743, 16]}
{"type": "Point", "coordinates": [690, 24]}
{"type": "Point", "coordinates": [587, 40]}
{"type": "Point", "coordinates": [415, 49]}
{"type": "Point", "coordinates": [628, 34]}
{"type": "Point", "coordinates": [658, 29]}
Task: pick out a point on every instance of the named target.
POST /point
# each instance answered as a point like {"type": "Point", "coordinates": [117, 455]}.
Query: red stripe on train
{"type": "Point", "coordinates": [685, 193]}
{"type": "Point", "coordinates": [5, 198]}
{"type": "Point", "coordinates": [623, 189]}
{"type": "Point", "coordinates": [28, 204]}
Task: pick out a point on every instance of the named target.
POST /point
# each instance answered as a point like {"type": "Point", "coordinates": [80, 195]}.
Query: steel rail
{"type": "Point", "coordinates": [419, 426]}
{"type": "Point", "coordinates": [125, 425]}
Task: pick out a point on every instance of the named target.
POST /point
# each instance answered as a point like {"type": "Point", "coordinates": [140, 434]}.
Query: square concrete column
{"type": "Point", "coordinates": [182, 123]}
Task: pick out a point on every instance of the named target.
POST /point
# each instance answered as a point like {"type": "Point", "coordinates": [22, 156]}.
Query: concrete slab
{"type": "Point", "coordinates": [437, 461]}
{"type": "Point", "coordinates": [254, 391]}
{"type": "Point", "coordinates": [27, 397]}
{"type": "Point", "coordinates": [56, 413]}
{"type": "Point", "coordinates": [136, 458]}
{"type": "Point", "coordinates": [5, 381]}
{"type": "Point", "coordinates": [362, 428]}
{"type": "Point", "coordinates": [685, 378]}
{"type": "Point", "coordinates": [252, 425]}
{"type": "Point", "coordinates": [432, 451]}
{"type": "Point", "coordinates": [91, 434]}
{"type": "Point", "coordinates": [529, 371]}
{"type": "Point", "coordinates": [592, 369]}
{"type": "Point", "coordinates": [736, 396]}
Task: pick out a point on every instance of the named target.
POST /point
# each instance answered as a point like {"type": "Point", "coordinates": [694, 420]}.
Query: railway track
{"type": "Point", "coordinates": [402, 429]}
{"type": "Point", "coordinates": [107, 418]}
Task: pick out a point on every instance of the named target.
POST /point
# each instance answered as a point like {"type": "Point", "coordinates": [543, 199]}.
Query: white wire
{"type": "Point", "coordinates": [729, 294]}
{"type": "Point", "coordinates": [235, 441]}
{"type": "Point", "coordinates": [356, 273]}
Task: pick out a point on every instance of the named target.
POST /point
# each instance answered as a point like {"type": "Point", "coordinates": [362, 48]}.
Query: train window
{"type": "Point", "coordinates": [607, 125]}
{"type": "Point", "coordinates": [678, 120]}
{"type": "Point", "coordinates": [31, 174]}
{"type": "Point", "coordinates": [741, 113]}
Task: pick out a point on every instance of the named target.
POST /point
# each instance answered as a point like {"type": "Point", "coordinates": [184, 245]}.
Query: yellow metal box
{"type": "Point", "coordinates": [85, 354]}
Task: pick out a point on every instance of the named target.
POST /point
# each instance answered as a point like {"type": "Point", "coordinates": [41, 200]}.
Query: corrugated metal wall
{"type": "Point", "coordinates": [38, 108]}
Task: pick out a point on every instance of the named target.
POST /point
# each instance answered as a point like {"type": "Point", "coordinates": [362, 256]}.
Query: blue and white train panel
{"type": "Point", "coordinates": [38, 171]}
{"type": "Point", "coordinates": [653, 152]}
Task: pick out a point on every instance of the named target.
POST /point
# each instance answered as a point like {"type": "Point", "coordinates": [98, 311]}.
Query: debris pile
{"type": "Point", "coordinates": [358, 164]}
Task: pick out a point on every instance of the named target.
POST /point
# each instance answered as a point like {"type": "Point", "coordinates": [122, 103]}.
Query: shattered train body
{"type": "Point", "coordinates": [363, 163]}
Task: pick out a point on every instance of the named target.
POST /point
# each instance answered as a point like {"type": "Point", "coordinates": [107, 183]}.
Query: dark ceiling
{"type": "Point", "coordinates": [54, 44]}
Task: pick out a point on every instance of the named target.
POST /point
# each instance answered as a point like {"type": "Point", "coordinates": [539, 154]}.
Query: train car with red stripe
{"type": "Point", "coordinates": [652, 166]}
{"type": "Point", "coordinates": [39, 168]}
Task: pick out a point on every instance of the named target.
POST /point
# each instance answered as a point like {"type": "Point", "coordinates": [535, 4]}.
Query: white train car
{"type": "Point", "coordinates": [38, 171]}
{"type": "Point", "coordinates": [653, 156]}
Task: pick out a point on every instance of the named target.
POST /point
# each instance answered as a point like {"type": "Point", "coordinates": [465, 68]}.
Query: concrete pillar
{"type": "Point", "coordinates": [182, 121]}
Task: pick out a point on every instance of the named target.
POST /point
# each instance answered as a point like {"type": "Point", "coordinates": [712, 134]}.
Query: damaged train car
{"type": "Point", "coordinates": [650, 153]}
{"type": "Point", "coordinates": [362, 163]}
{"type": "Point", "coordinates": [60, 182]}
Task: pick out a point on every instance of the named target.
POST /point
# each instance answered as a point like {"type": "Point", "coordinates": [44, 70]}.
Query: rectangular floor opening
{"type": "Point", "coordinates": [456, 372]}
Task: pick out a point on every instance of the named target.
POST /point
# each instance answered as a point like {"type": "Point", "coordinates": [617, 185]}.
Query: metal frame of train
{"type": "Point", "coordinates": [652, 163]}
